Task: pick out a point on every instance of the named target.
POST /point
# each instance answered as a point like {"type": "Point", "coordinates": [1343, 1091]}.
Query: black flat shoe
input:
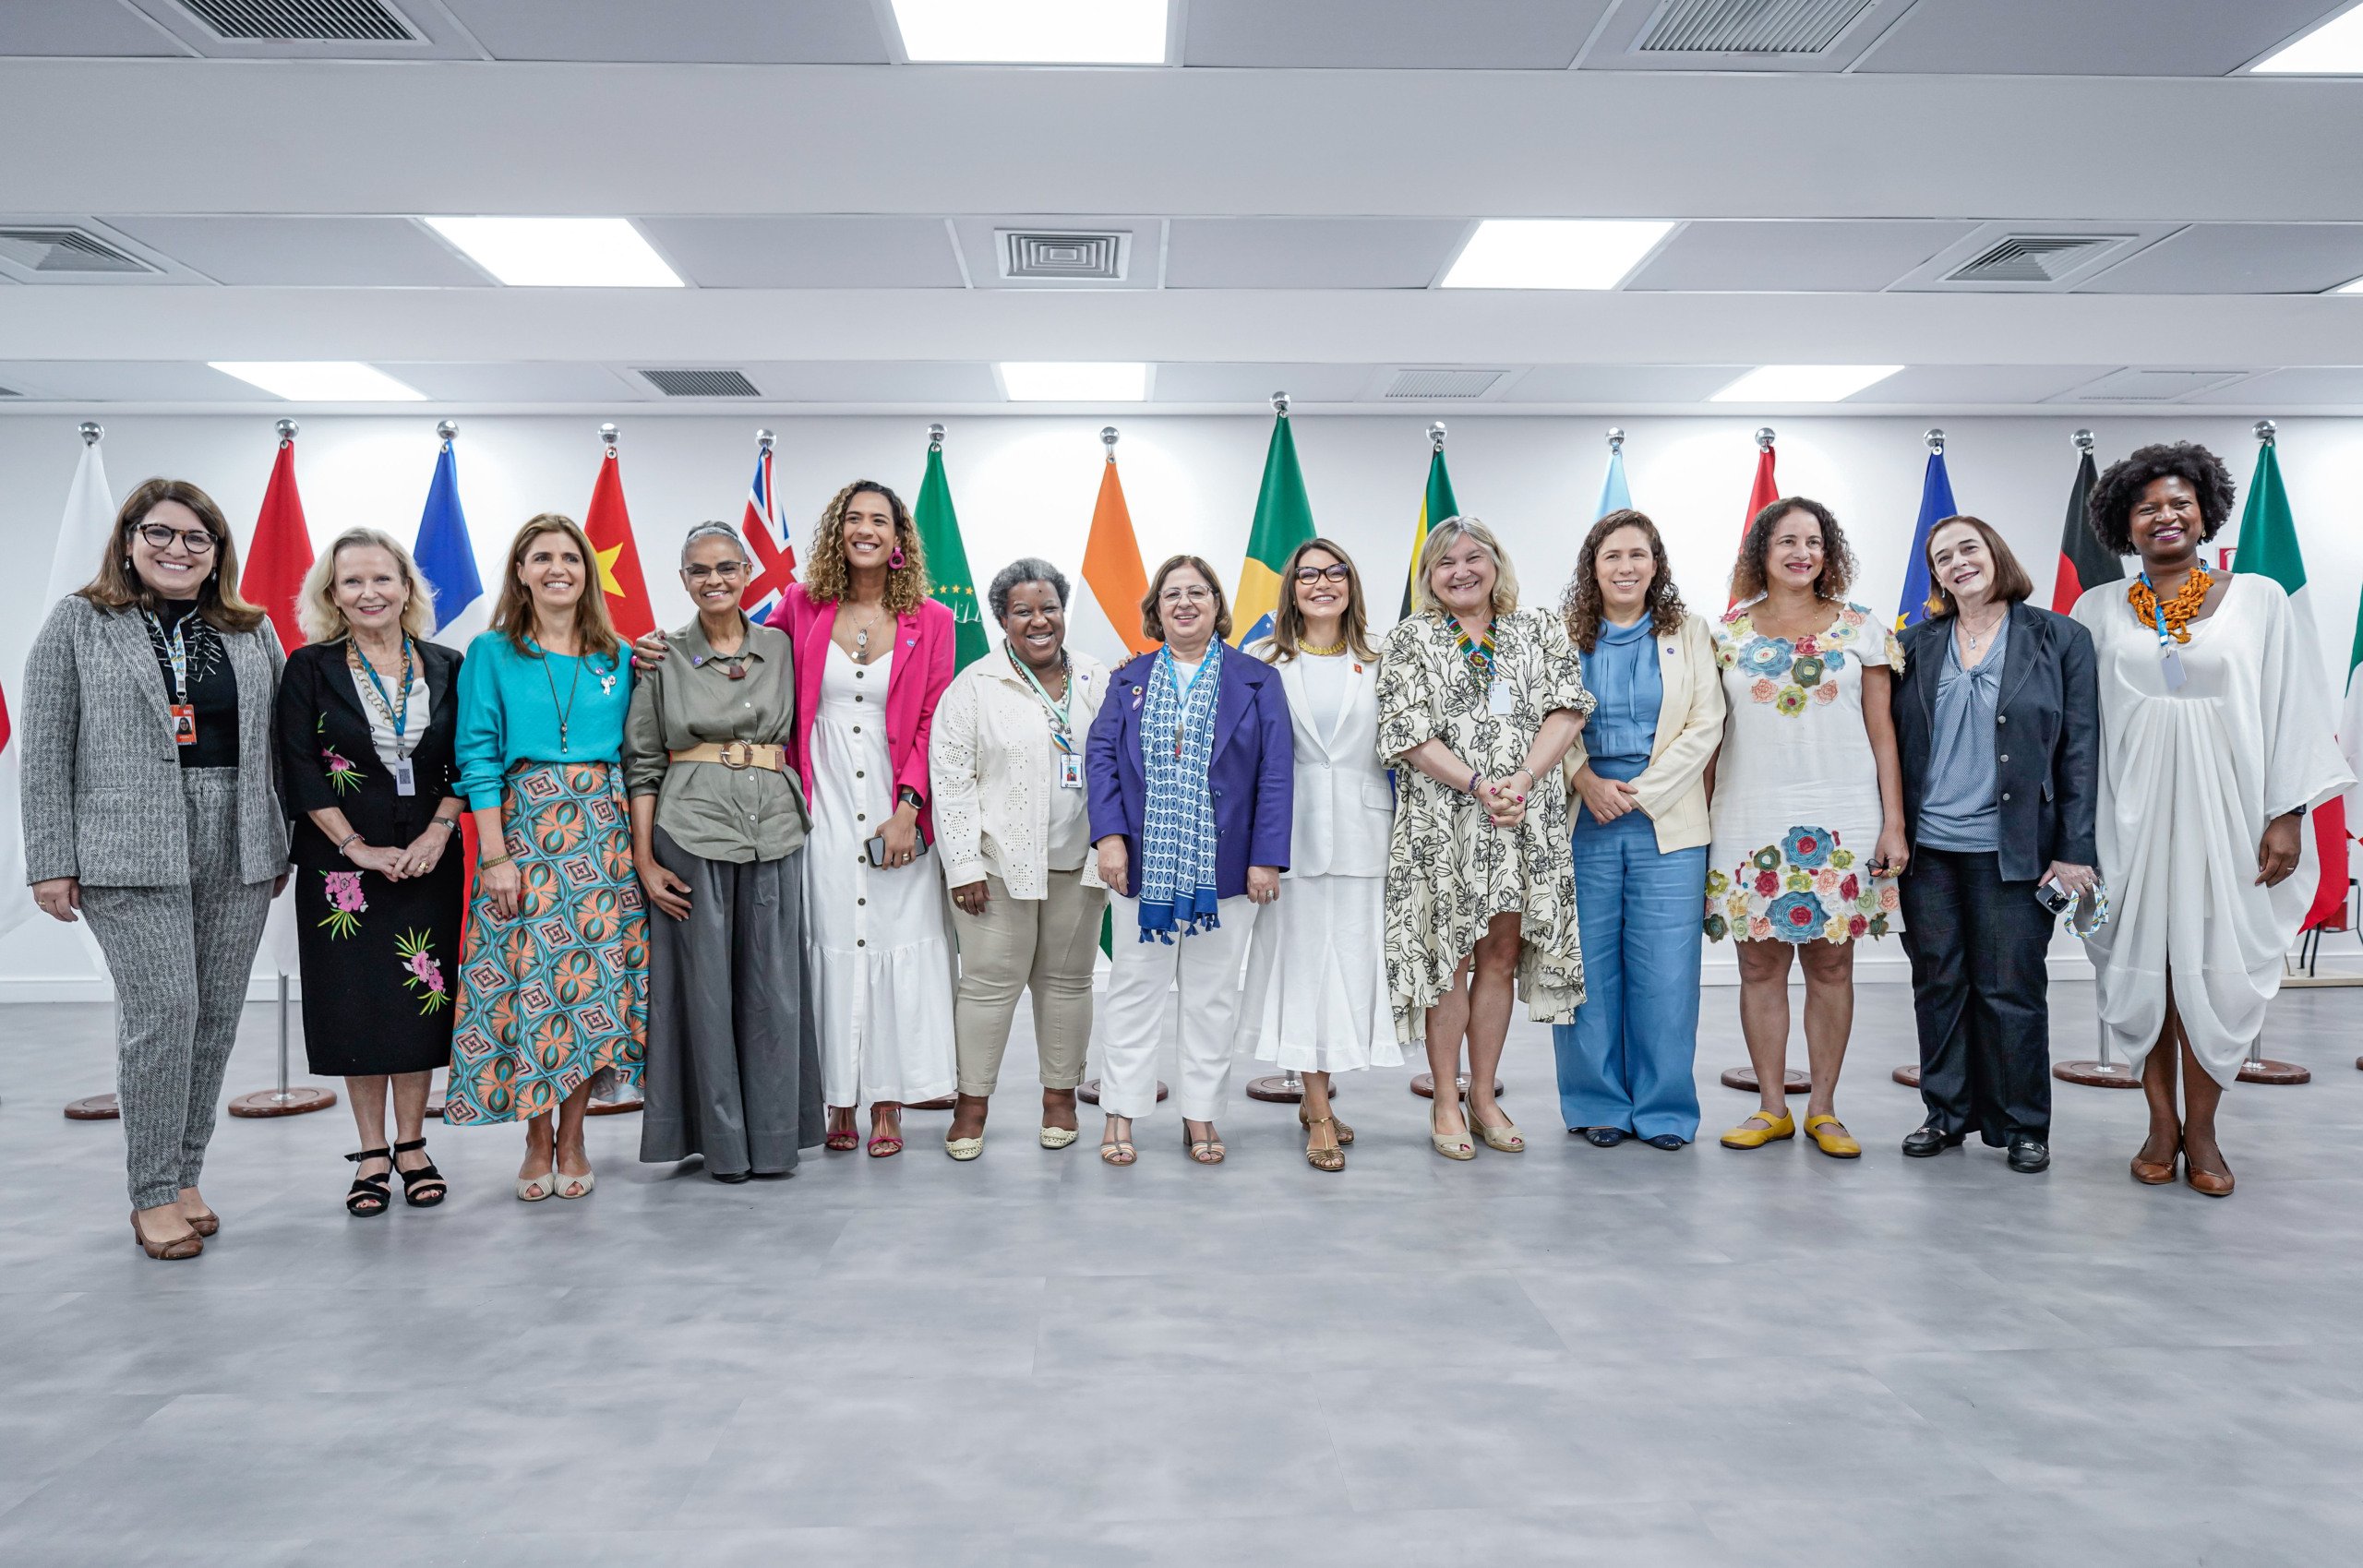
{"type": "Point", "coordinates": [2029, 1154]}
{"type": "Point", "coordinates": [1669, 1141]}
{"type": "Point", "coordinates": [1605, 1137]}
{"type": "Point", "coordinates": [1925, 1141]}
{"type": "Point", "coordinates": [731, 1178]}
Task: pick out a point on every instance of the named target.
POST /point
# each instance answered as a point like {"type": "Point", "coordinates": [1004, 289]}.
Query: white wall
{"type": "Point", "coordinates": [1026, 486]}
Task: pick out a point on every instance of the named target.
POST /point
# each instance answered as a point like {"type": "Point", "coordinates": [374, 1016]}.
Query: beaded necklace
{"type": "Point", "coordinates": [2173, 616]}
{"type": "Point", "coordinates": [1479, 654]}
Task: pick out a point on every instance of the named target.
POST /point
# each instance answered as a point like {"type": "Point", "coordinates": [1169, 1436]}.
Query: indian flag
{"type": "Point", "coordinates": [1283, 521]}
{"type": "Point", "coordinates": [1436, 503]}
{"type": "Point", "coordinates": [2269, 548]}
{"type": "Point", "coordinates": [1106, 620]}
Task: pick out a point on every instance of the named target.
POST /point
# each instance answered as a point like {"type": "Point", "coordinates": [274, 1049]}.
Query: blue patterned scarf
{"type": "Point", "coordinates": [1177, 877]}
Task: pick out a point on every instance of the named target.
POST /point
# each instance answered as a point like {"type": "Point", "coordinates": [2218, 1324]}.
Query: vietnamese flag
{"type": "Point", "coordinates": [609, 525]}
{"type": "Point", "coordinates": [280, 554]}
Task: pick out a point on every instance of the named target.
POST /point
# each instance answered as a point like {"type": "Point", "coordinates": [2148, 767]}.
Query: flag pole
{"type": "Point", "coordinates": [950, 1101]}
{"type": "Point", "coordinates": [448, 431]}
{"type": "Point", "coordinates": [1909, 1074]}
{"type": "Point", "coordinates": [94, 1107]}
{"type": "Point", "coordinates": [621, 1103]}
{"type": "Point", "coordinates": [1287, 1086]}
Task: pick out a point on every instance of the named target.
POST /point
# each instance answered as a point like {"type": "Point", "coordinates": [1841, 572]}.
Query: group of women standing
{"type": "Point", "coordinates": [1396, 841]}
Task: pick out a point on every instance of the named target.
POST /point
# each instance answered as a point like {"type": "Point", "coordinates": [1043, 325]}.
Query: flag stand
{"type": "Point", "coordinates": [2260, 1068]}
{"type": "Point", "coordinates": [1424, 1085]}
{"type": "Point", "coordinates": [1283, 1088]}
{"type": "Point", "coordinates": [283, 1100]}
{"type": "Point", "coordinates": [103, 1108]}
{"type": "Point", "coordinates": [1090, 1093]}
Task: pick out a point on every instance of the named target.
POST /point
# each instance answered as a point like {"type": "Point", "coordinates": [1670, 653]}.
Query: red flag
{"type": "Point", "coordinates": [281, 552]}
{"type": "Point", "coordinates": [1760, 494]}
{"type": "Point", "coordinates": [16, 900]}
{"type": "Point", "coordinates": [608, 524]}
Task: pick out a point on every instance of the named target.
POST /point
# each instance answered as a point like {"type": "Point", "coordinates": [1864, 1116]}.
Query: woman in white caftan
{"type": "Point", "coordinates": [2216, 740]}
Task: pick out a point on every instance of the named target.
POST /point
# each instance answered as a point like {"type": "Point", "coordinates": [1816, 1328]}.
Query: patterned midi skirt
{"type": "Point", "coordinates": [559, 992]}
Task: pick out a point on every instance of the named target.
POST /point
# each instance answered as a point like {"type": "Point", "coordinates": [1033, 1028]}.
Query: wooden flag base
{"type": "Point", "coordinates": [297, 1099]}
{"type": "Point", "coordinates": [940, 1102]}
{"type": "Point", "coordinates": [1743, 1078]}
{"type": "Point", "coordinates": [1275, 1088]}
{"type": "Point", "coordinates": [102, 1108]}
{"type": "Point", "coordinates": [2260, 1070]}
{"type": "Point", "coordinates": [614, 1108]}
{"type": "Point", "coordinates": [1090, 1093]}
{"type": "Point", "coordinates": [2095, 1074]}
{"type": "Point", "coordinates": [1424, 1085]}
{"type": "Point", "coordinates": [1907, 1076]}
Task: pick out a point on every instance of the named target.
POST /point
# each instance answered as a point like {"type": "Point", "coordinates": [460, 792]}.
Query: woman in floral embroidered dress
{"type": "Point", "coordinates": [366, 705]}
{"type": "Point", "coordinates": [1808, 804]}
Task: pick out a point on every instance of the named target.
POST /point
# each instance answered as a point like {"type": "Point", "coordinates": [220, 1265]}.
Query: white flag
{"type": "Point", "coordinates": [89, 523]}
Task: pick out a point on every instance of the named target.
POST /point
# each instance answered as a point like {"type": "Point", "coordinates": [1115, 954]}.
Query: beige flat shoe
{"type": "Point", "coordinates": [963, 1148]}
{"type": "Point", "coordinates": [1451, 1145]}
{"type": "Point", "coordinates": [1506, 1138]}
{"type": "Point", "coordinates": [1059, 1137]}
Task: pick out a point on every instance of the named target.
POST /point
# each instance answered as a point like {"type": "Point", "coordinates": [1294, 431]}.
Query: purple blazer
{"type": "Point", "coordinates": [1254, 774]}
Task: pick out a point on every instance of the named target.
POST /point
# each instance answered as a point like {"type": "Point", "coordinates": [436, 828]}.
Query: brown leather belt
{"type": "Point", "coordinates": [736, 755]}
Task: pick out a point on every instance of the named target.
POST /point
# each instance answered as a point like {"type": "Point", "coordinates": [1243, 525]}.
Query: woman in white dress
{"type": "Point", "coordinates": [1808, 805]}
{"type": "Point", "coordinates": [1316, 985]}
{"type": "Point", "coordinates": [2216, 740]}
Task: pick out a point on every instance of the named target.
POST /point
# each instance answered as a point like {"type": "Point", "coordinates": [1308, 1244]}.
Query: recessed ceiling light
{"type": "Point", "coordinates": [1075, 381]}
{"type": "Point", "coordinates": [1045, 32]}
{"type": "Point", "coordinates": [321, 381]}
{"type": "Point", "coordinates": [1803, 383]}
{"type": "Point", "coordinates": [1554, 253]}
{"type": "Point", "coordinates": [562, 252]}
{"type": "Point", "coordinates": [2353, 288]}
{"type": "Point", "coordinates": [2334, 49]}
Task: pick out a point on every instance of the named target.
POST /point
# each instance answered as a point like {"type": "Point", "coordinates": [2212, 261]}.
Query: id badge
{"type": "Point", "coordinates": [184, 723]}
{"type": "Point", "coordinates": [1497, 699]}
{"type": "Point", "coordinates": [2171, 667]}
{"type": "Point", "coordinates": [1070, 771]}
{"type": "Point", "coordinates": [405, 777]}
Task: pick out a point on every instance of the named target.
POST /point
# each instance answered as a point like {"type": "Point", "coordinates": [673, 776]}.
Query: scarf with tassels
{"type": "Point", "coordinates": [1178, 824]}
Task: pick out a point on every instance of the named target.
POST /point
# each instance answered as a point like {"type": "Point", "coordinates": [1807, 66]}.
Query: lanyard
{"type": "Point", "coordinates": [176, 649]}
{"type": "Point", "coordinates": [1062, 723]}
{"type": "Point", "coordinates": [2158, 610]}
{"type": "Point", "coordinates": [396, 710]}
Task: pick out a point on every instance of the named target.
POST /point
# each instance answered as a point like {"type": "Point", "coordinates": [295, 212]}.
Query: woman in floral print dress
{"type": "Point", "coordinates": [367, 703]}
{"type": "Point", "coordinates": [1808, 804]}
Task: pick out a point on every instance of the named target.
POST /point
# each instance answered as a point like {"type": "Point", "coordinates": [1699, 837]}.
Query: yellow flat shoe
{"type": "Point", "coordinates": [1744, 1136]}
{"type": "Point", "coordinates": [1837, 1145]}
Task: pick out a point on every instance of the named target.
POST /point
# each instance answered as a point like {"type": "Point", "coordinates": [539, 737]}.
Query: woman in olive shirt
{"type": "Point", "coordinates": [733, 1069]}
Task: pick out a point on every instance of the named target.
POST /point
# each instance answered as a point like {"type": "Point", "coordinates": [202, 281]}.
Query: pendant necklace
{"type": "Point", "coordinates": [565, 710]}
{"type": "Point", "coordinates": [1977, 639]}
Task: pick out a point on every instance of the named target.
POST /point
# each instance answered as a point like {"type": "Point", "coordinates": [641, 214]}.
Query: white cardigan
{"type": "Point", "coordinates": [989, 758]}
{"type": "Point", "coordinates": [1345, 806]}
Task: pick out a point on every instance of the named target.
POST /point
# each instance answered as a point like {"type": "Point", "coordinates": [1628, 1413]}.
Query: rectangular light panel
{"type": "Point", "coordinates": [321, 381]}
{"type": "Point", "coordinates": [1803, 383]}
{"type": "Point", "coordinates": [1034, 32]}
{"type": "Point", "coordinates": [1554, 253]}
{"type": "Point", "coordinates": [1075, 381]}
{"type": "Point", "coordinates": [2353, 288]}
{"type": "Point", "coordinates": [2334, 49]}
{"type": "Point", "coordinates": [559, 253]}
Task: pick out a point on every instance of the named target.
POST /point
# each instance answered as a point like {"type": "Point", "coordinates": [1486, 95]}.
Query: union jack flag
{"type": "Point", "coordinates": [768, 539]}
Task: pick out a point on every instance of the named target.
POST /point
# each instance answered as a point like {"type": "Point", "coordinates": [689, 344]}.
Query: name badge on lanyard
{"type": "Point", "coordinates": [1498, 699]}
{"type": "Point", "coordinates": [1070, 771]}
{"type": "Point", "coordinates": [2169, 657]}
{"type": "Point", "coordinates": [405, 777]}
{"type": "Point", "coordinates": [183, 711]}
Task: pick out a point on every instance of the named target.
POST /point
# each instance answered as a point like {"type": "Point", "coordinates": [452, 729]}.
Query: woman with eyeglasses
{"type": "Point", "coordinates": [1316, 990]}
{"type": "Point", "coordinates": [152, 807]}
{"type": "Point", "coordinates": [733, 1068]}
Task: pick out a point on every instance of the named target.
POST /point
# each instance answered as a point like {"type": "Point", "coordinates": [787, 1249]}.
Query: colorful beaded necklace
{"type": "Point", "coordinates": [1479, 654]}
{"type": "Point", "coordinates": [2176, 613]}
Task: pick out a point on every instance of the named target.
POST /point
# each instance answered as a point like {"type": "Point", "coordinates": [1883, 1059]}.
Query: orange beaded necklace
{"type": "Point", "coordinates": [2177, 612]}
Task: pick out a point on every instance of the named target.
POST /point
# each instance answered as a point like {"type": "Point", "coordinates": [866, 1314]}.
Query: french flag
{"type": "Point", "coordinates": [767, 537]}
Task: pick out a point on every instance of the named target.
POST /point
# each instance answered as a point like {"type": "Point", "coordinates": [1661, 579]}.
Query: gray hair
{"type": "Point", "coordinates": [711, 531]}
{"type": "Point", "coordinates": [1026, 568]}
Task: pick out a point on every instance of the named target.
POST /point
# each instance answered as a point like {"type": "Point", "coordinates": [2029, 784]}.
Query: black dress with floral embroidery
{"type": "Point", "coordinates": [379, 957]}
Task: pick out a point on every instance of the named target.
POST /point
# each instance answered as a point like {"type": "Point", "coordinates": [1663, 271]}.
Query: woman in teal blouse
{"type": "Point", "coordinates": [554, 973]}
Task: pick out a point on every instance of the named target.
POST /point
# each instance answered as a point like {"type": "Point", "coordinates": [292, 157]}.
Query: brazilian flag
{"type": "Point", "coordinates": [947, 561]}
{"type": "Point", "coordinates": [1435, 505]}
{"type": "Point", "coordinates": [1283, 521]}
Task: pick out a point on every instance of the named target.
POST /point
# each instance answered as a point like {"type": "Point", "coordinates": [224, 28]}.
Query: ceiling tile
{"type": "Point", "coordinates": [2143, 384]}
{"type": "Point", "coordinates": [808, 253]}
{"type": "Point", "coordinates": [875, 381]}
{"type": "Point", "coordinates": [1621, 383]}
{"type": "Point", "coordinates": [306, 251]}
{"type": "Point", "coordinates": [2307, 386]}
{"type": "Point", "coordinates": [90, 29]}
{"type": "Point", "coordinates": [2090, 38]}
{"type": "Point", "coordinates": [1541, 35]}
{"type": "Point", "coordinates": [521, 382]}
{"type": "Point", "coordinates": [1188, 382]}
{"type": "Point", "coordinates": [982, 250]}
{"type": "Point", "coordinates": [1976, 384]}
{"type": "Point", "coordinates": [1309, 252]}
{"type": "Point", "coordinates": [2240, 258]}
{"type": "Point", "coordinates": [1794, 258]}
{"type": "Point", "coordinates": [820, 32]}
{"type": "Point", "coordinates": [125, 381]}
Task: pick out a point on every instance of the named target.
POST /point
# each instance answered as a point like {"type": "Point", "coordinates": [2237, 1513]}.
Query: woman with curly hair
{"type": "Point", "coordinates": [1636, 780]}
{"type": "Point", "coordinates": [2214, 744]}
{"type": "Point", "coordinates": [1808, 804]}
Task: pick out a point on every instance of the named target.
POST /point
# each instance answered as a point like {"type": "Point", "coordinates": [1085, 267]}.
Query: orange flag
{"type": "Point", "coordinates": [1112, 573]}
{"type": "Point", "coordinates": [608, 523]}
{"type": "Point", "coordinates": [281, 552]}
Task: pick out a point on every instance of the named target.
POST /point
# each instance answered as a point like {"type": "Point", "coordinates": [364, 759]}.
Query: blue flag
{"type": "Point", "coordinates": [1614, 495]}
{"type": "Point", "coordinates": [1936, 505]}
{"type": "Point", "coordinates": [446, 557]}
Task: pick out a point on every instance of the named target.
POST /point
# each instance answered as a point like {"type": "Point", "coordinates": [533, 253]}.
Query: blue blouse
{"type": "Point", "coordinates": [508, 715]}
{"type": "Point", "coordinates": [1958, 812]}
{"type": "Point", "coordinates": [1621, 671]}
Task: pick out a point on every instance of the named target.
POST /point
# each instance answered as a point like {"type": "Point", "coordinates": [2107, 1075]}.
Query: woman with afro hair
{"type": "Point", "coordinates": [2214, 744]}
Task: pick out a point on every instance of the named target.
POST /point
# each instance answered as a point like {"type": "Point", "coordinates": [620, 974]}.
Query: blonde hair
{"type": "Point", "coordinates": [512, 614]}
{"type": "Point", "coordinates": [1442, 536]}
{"type": "Point", "coordinates": [826, 579]}
{"type": "Point", "coordinates": [323, 618]}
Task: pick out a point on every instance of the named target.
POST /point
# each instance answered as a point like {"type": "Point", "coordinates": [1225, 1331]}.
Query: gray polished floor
{"type": "Point", "coordinates": [1572, 1355]}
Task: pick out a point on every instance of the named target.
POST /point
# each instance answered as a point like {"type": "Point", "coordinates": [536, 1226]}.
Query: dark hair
{"type": "Point", "coordinates": [1837, 560]}
{"type": "Point", "coordinates": [1287, 624]}
{"type": "Point", "coordinates": [1026, 568]}
{"type": "Point", "coordinates": [1153, 626]}
{"type": "Point", "coordinates": [1581, 606]}
{"type": "Point", "coordinates": [2110, 510]}
{"type": "Point", "coordinates": [2011, 583]}
{"type": "Point", "coordinates": [119, 585]}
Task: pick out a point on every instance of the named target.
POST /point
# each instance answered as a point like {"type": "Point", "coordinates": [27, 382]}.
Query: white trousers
{"type": "Point", "coordinates": [1186, 992]}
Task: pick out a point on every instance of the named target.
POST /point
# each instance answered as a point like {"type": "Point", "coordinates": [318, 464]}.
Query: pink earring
{"type": "Point", "coordinates": [899, 560]}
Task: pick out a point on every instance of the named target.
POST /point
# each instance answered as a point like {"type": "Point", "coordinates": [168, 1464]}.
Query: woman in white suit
{"type": "Point", "coordinates": [1316, 982]}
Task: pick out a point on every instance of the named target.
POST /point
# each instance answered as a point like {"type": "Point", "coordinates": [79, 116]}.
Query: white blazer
{"type": "Point", "coordinates": [1345, 805]}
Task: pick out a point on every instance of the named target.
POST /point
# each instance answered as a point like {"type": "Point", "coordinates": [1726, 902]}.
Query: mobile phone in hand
{"type": "Point", "coordinates": [877, 848]}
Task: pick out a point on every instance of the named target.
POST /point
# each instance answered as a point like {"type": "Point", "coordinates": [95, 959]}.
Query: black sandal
{"type": "Point", "coordinates": [424, 1176]}
{"type": "Point", "coordinates": [369, 1195]}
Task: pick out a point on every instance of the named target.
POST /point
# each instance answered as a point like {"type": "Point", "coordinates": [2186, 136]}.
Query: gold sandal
{"type": "Point", "coordinates": [1345, 1134]}
{"type": "Point", "coordinates": [1323, 1159]}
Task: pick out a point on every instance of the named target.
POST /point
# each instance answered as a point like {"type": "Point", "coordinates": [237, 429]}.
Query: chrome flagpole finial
{"type": "Point", "coordinates": [1764, 438]}
{"type": "Point", "coordinates": [93, 432]}
{"type": "Point", "coordinates": [1616, 439]}
{"type": "Point", "coordinates": [1435, 437]}
{"type": "Point", "coordinates": [935, 437]}
{"type": "Point", "coordinates": [2264, 430]}
{"type": "Point", "coordinates": [1936, 439]}
{"type": "Point", "coordinates": [2083, 439]}
{"type": "Point", "coordinates": [763, 440]}
{"type": "Point", "coordinates": [447, 431]}
{"type": "Point", "coordinates": [1280, 405]}
{"type": "Point", "coordinates": [607, 437]}
{"type": "Point", "coordinates": [287, 429]}
{"type": "Point", "coordinates": [1107, 436]}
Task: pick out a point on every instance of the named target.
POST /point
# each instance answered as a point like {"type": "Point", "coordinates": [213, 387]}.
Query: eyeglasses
{"type": "Point", "coordinates": [1311, 575]}
{"type": "Point", "coordinates": [726, 571]}
{"type": "Point", "coordinates": [1183, 596]}
{"type": "Point", "coordinates": [196, 542]}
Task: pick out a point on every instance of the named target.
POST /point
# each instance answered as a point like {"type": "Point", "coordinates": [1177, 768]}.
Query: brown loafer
{"type": "Point", "coordinates": [171, 1249]}
{"type": "Point", "coordinates": [2150, 1175]}
{"type": "Point", "coordinates": [2207, 1181]}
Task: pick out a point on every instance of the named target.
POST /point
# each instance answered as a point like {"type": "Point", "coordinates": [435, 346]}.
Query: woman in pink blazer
{"type": "Point", "coordinates": [873, 656]}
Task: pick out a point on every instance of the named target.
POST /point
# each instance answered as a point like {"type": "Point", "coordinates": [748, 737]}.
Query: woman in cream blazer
{"type": "Point", "coordinates": [1316, 983]}
{"type": "Point", "coordinates": [1638, 778]}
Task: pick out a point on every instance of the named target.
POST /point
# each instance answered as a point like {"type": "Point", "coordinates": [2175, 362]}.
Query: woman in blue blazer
{"type": "Point", "coordinates": [1191, 769]}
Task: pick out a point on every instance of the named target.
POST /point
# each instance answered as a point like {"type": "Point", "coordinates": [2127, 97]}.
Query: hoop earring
{"type": "Point", "coordinates": [898, 561]}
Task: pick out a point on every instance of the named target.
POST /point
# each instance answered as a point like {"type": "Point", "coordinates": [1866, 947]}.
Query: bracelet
{"type": "Point", "coordinates": [343, 843]}
{"type": "Point", "coordinates": [483, 865]}
{"type": "Point", "coordinates": [1474, 780]}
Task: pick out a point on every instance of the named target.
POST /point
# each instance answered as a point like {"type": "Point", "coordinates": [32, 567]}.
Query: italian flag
{"type": "Point", "coordinates": [2269, 548]}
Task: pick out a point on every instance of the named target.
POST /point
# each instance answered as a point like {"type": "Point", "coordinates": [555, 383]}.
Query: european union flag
{"type": "Point", "coordinates": [1936, 505]}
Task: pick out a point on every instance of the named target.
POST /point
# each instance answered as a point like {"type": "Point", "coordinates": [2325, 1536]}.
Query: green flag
{"type": "Point", "coordinates": [1283, 521]}
{"type": "Point", "coordinates": [1435, 505]}
{"type": "Point", "coordinates": [947, 561]}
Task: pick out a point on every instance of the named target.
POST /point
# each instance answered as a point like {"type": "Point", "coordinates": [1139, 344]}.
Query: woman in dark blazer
{"type": "Point", "coordinates": [1998, 721]}
{"type": "Point", "coordinates": [368, 713]}
{"type": "Point", "coordinates": [1192, 796]}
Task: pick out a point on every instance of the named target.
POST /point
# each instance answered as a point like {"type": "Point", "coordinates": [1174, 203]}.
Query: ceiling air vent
{"type": "Point", "coordinates": [2032, 258]}
{"type": "Point", "coordinates": [1442, 383]}
{"type": "Point", "coordinates": [66, 250]}
{"type": "Point", "coordinates": [700, 383]}
{"type": "Point", "coordinates": [1067, 256]}
{"type": "Point", "coordinates": [302, 21]}
{"type": "Point", "coordinates": [1748, 27]}
{"type": "Point", "coordinates": [2138, 386]}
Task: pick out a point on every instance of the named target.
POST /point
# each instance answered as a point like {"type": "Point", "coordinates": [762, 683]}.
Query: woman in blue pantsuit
{"type": "Point", "coordinates": [1638, 781]}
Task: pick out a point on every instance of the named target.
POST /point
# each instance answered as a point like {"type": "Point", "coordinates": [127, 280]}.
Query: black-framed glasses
{"type": "Point", "coordinates": [1337, 572]}
{"type": "Point", "coordinates": [196, 541]}
{"type": "Point", "coordinates": [725, 571]}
